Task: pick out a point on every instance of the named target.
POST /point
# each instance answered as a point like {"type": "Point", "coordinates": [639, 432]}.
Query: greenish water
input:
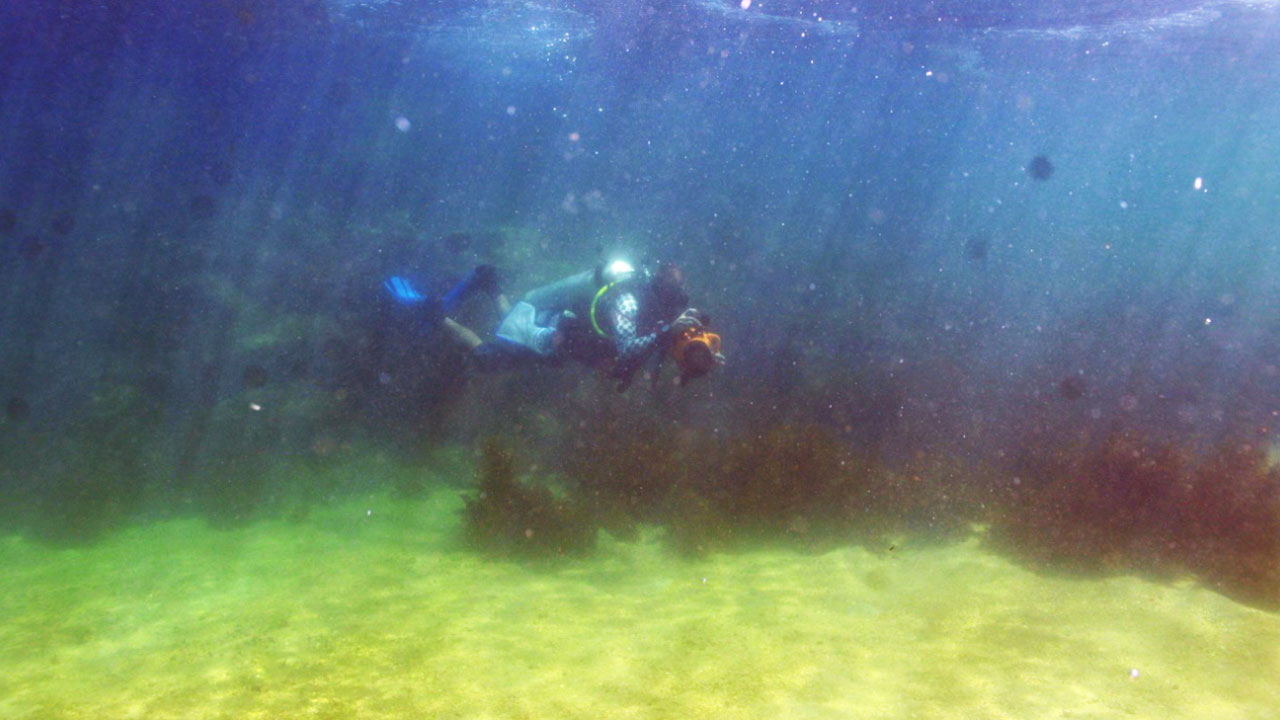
{"type": "Point", "coordinates": [367, 608]}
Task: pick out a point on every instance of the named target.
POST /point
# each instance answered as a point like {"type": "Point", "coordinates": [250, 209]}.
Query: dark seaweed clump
{"type": "Point", "coordinates": [1123, 504]}
{"type": "Point", "coordinates": [509, 517]}
{"type": "Point", "coordinates": [782, 481]}
{"type": "Point", "coordinates": [1131, 505]}
{"type": "Point", "coordinates": [623, 470]}
{"type": "Point", "coordinates": [802, 483]}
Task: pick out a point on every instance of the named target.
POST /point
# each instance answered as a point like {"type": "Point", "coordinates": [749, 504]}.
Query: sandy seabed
{"type": "Point", "coordinates": [367, 609]}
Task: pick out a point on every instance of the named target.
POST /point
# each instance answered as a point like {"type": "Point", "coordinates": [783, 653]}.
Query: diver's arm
{"type": "Point", "coordinates": [632, 348]}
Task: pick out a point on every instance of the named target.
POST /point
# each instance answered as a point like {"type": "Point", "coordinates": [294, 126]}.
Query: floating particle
{"type": "Point", "coordinates": [1040, 168]}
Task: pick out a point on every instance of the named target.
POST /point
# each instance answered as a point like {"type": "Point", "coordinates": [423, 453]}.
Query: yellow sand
{"type": "Point", "coordinates": [367, 610]}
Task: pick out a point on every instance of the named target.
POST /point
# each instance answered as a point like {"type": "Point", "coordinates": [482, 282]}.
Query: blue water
{"type": "Point", "coordinates": [949, 229]}
{"type": "Point", "coordinates": [998, 285]}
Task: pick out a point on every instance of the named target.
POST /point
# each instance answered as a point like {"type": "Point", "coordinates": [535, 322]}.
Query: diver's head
{"type": "Point", "coordinates": [666, 283]}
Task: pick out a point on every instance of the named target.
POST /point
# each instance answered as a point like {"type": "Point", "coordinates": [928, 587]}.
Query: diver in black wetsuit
{"type": "Point", "coordinates": [613, 316]}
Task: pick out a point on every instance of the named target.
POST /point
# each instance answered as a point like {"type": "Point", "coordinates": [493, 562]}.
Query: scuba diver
{"type": "Point", "coordinates": [613, 317]}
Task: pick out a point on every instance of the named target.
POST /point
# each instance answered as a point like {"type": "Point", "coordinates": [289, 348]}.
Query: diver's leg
{"type": "Point", "coordinates": [467, 337]}
{"type": "Point", "coordinates": [482, 278]}
{"type": "Point", "coordinates": [463, 334]}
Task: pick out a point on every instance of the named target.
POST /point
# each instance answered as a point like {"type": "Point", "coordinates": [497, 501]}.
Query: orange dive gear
{"type": "Point", "coordinates": [694, 351]}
